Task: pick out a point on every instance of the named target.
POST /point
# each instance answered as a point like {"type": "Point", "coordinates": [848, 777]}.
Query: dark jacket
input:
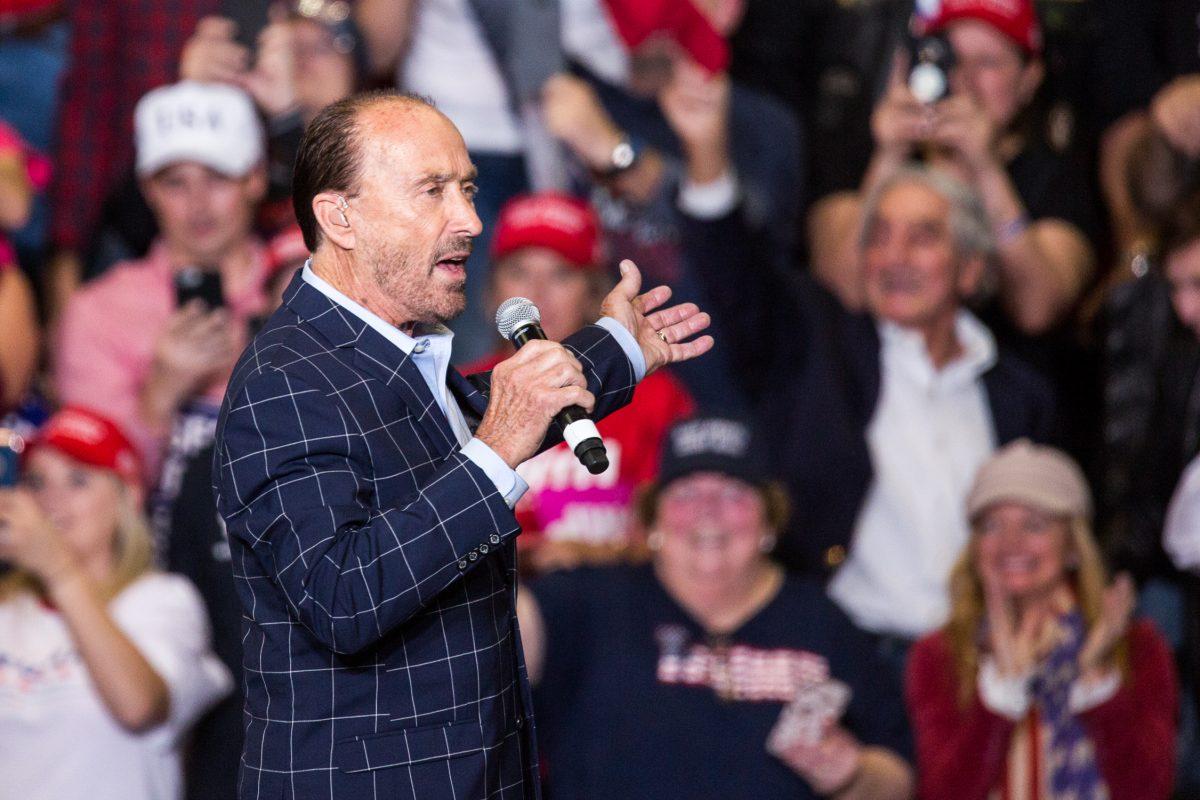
{"type": "Point", "coordinates": [813, 372]}
{"type": "Point", "coordinates": [375, 564]}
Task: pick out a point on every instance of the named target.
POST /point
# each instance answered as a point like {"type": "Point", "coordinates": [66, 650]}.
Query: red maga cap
{"type": "Point", "coordinates": [638, 20]}
{"type": "Point", "coordinates": [558, 222]}
{"type": "Point", "coordinates": [90, 438]}
{"type": "Point", "coordinates": [1016, 19]}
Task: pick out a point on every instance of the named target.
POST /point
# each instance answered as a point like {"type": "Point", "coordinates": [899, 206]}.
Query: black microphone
{"type": "Point", "coordinates": [519, 321]}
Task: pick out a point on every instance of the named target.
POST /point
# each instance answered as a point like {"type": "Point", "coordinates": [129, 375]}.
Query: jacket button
{"type": "Point", "coordinates": [834, 556]}
{"type": "Point", "coordinates": [494, 538]}
{"type": "Point", "coordinates": [462, 564]}
{"type": "Point", "coordinates": [472, 555]}
{"type": "Point", "coordinates": [483, 548]}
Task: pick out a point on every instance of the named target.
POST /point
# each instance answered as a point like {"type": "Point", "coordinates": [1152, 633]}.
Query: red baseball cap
{"type": "Point", "coordinates": [638, 20]}
{"type": "Point", "coordinates": [558, 222]}
{"type": "Point", "coordinates": [90, 438]}
{"type": "Point", "coordinates": [1016, 19]}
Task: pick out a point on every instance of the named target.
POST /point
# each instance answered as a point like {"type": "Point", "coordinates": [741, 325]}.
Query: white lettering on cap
{"type": "Point", "coordinates": [722, 436]}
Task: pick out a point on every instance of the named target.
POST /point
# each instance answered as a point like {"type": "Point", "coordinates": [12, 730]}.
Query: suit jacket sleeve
{"type": "Point", "coordinates": [296, 486]}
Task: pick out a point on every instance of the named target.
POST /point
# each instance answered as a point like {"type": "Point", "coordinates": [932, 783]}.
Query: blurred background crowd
{"type": "Point", "coordinates": [925, 523]}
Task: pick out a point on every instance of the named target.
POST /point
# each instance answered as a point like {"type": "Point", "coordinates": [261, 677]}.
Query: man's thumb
{"type": "Point", "coordinates": [631, 279]}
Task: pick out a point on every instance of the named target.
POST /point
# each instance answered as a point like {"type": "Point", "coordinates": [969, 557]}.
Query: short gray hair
{"type": "Point", "coordinates": [969, 224]}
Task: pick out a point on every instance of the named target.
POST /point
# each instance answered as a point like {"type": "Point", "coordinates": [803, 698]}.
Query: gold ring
{"type": "Point", "coordinates": [662, 336]}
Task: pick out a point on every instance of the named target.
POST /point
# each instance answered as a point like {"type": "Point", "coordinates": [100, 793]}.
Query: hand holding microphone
{"type": "Point", "coordinates": [518, 321]}
{"type": "Point", "coordinates": [530, 391]}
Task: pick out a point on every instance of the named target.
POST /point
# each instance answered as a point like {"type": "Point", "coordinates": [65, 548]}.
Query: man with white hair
{"type": "Point", "coordinates": [879, 420]}
{"type": "Point", "coordinates": [125, 347]}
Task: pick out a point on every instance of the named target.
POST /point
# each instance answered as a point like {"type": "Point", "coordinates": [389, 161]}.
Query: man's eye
{"type": "Point", "coordinates": [471, 190]}
{"type": "Point", "coordinates": [434, 191]}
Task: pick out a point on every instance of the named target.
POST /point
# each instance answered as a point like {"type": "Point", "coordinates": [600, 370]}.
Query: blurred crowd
{"type": "Point", "coordinates": [925, 523]}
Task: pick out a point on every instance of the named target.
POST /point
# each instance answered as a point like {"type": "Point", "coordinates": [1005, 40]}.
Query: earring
{"type": "Point", "coordinates": [766, 543]}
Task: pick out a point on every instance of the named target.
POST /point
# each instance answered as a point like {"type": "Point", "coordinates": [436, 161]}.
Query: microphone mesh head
{"type": "Point", "coordinates": [513, 314]}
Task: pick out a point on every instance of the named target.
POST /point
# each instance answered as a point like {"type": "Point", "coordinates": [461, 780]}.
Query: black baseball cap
{"type": "Point", "coordinates": [712, 444]}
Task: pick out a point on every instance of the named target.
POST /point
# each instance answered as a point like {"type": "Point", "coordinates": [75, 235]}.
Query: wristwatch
{"type": "Point", "coordinates": [624, 155]}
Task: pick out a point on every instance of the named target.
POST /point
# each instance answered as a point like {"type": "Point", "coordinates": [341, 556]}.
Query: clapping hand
{"type": "Point", "coordinates": [664, 334]}
{"type": "Point", "coordinates": [1115, 613]}
{"type": "Point", "coordinates": [1017, 640]}
{"type": "Point", "coordinates": [29, 540]}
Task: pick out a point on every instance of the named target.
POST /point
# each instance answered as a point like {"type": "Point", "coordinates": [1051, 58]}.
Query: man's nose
{"type": "Point", "coordinates": [465, 221]}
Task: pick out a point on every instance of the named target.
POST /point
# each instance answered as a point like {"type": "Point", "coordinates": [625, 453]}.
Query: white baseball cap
{"type": "Point", "coordinates": [210, 123]}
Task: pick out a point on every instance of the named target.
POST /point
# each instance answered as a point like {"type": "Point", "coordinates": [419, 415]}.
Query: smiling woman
{"type": "Point", "coordinates": [104, 663]}
{"type": "Point", "coordinates": [708, 670]}
{"type": "Point", "coordinates": [1040, 654]}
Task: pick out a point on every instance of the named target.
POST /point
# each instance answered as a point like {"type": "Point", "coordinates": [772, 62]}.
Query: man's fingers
{"type": "Point", "coordinates": [631, 281]}
{"type": "Point", "coordinates": [573, 396]}
{"type": "Point", "coordinates": [686, 328]}
{"type": "Point", "coordinates": [688, 350]}
{"type": "Point", "coordinates": [652, 299]}
{"type": "Point", "coordinates": [216, 27]}
{"type": "Point", "coordinates": [667, 317]}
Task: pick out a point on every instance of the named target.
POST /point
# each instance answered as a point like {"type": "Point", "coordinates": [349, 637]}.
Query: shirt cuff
{"type": "Point", "coordinates": [510, 485]}
{"type": "Point", "coordinates": [633, 351]}
{"type": "Point", "coordinates": [1006, 696]}
{"type": "Point", "coordinates": [708, 201]}
{"type": "Point", "coordinates": [1086, 696]}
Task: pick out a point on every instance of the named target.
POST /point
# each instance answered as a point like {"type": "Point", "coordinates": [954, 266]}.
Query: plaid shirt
{"type": "Point", "coordinates": [120, 49]}
{"type": "Point", "coordinates": [376, 567]}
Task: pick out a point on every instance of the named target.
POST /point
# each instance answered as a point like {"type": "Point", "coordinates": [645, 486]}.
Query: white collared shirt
{"type": "Point", "coordinates": [430, 352]}
{"type": "Point", "coordinates": [931, 431]}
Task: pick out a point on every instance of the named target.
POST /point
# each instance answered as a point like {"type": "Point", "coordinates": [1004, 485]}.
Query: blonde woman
{"type": "Point", "coordinates": [1039, 685]}
{"type": "Point", "coordinates": [104, 663]}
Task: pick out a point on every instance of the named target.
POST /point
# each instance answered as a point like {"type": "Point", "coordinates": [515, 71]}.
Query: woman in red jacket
{"type": "Point", "coordinates": [1039, 686]}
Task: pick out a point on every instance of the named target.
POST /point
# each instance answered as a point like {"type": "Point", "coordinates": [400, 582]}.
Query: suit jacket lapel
{"type": "Point", "coordinates": [373, 355]}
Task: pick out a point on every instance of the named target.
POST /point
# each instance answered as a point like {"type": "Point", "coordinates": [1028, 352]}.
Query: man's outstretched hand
{"type": "Point", "coordinates": [664, 334]}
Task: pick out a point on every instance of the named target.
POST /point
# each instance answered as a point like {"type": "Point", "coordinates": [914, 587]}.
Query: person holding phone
{"type": "Point", "coordinates": [709, 671]}
{"type": "Point", "coordinates": [156, 337]}
{"type": "Point", "coordinates": [982, 130]}
{"type": "Point", "coordinates": [105, 663]}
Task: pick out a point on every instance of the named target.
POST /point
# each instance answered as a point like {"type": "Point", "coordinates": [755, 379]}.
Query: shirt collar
{"type": "Point", "coordinates": [438, 337]}
{"type": "Point", "coordinates": [906, 346]}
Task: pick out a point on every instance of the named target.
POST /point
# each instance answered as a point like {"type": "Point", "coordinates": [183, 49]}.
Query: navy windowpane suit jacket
{"type": "Point", "coordinates": [375, 566]}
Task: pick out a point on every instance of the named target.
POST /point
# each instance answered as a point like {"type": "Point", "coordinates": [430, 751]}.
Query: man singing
{"type": "Point", "coordinates": [368, 488]}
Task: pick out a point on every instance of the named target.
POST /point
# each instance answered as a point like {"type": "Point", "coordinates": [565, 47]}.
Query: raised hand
{"type": "Point", "coordinates": [1115, 613]}
{"type": "Point", "coordinates": [664, 334]}
{"type": "Point", "coordinates": [29, 540]}
{"type": "Point", "coordinates": [962, 127]}
{"type": "Point", "coordinates": [696, 104]}
{"type": "Point", "coordinates": [272, 82]}
{"type": "Point", "coordinates": [1176, 112]}
{"type": "Point", "coordinates": [1016, 642]}
{"type": "Point", "coordinates": [900, 121]}
{"type": "Point", "coordinates": [213, 55]}
{"type": "Point", "coordinates": [573, 113]}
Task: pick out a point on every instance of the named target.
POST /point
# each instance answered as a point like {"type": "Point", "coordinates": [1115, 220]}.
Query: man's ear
{"type": "Point", "coordinates": [334, 218]}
